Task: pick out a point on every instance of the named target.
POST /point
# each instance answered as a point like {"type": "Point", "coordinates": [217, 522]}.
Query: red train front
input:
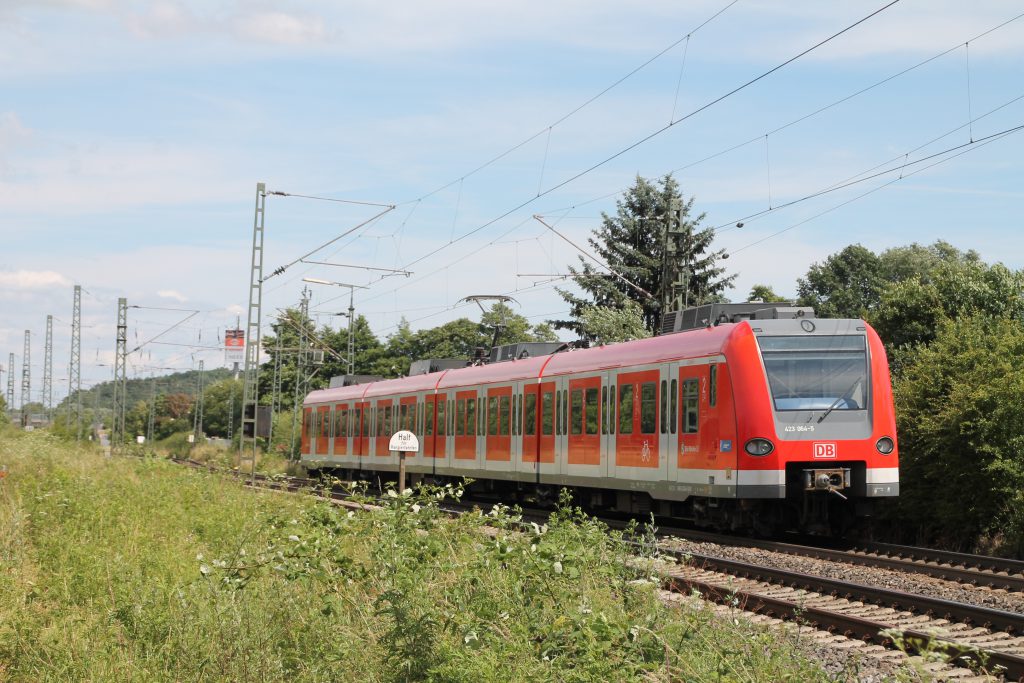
{"type": "Point", "coordinates": [768, 419]}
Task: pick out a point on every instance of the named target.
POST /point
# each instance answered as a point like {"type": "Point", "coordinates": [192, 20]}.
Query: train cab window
{"type": "Point", "coordinates": [460, 417]}
{"type": "Point", "coordinates": [648, 409]}
{"type": "Point", "coordinates": [530, 415]}
{"type": "Point", "coordinates": [673, 412]}
{"type": "Point", "coordinates": [591, 410]}
{"type": "Point", "coordinates": [626, 409]}
{"type": "Point", "coordinates": [576, 412]}
{"type": "Point", "coordinates": [503, 415]}
{"type": "Point", "coordinates": [713, 391]}
{"type": "Point", "coordinates": [546, 410]}
{"type": "Point", "coordinates": [664, 408]}
{"type": "Point", "coordinates": [691, 406]}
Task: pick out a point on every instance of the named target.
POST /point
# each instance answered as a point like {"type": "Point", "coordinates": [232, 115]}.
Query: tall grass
{"type": "Point", "coordinates": [139, 569]}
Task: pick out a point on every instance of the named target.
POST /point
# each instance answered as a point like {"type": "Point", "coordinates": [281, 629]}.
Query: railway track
{"type": "Point", "coordinates": [973, 570]}
{"type": "Point", "coordinates": [991, 640]}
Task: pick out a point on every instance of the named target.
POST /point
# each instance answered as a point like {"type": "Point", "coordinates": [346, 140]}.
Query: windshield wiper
{"type": "Point", "coordinates": [839, 400]}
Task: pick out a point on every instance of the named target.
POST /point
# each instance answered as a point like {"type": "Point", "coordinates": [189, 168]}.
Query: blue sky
{"type": "Point", "coordinates": [132, 135]}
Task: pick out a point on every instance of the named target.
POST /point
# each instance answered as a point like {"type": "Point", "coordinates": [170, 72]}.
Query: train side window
{"type": "Point", "coordinates": [590, 401]}
{"type": "Point", "coordinates": [389, 420]}
{"type": "Point", "coordinates": [673, 408]}
{"type": "Point", "coordinates": [565, 411]}
{"type": "Point", "coordinates": [611, 410]}
{"type": "Point", "coordinates": [442, 417]}
{"type": "Point", "coordinates": [517, 415]}
{"type": "Point", "coordinates": [546, 410]}
{"type": "Point", "coordinates": [503, 415]}
{"type": "Point", "coordinates": [460, 417]}
{"type": "Point", "coordinates": [648, 407]}
{"type": "Point", "coordinates": [325, 430]}
{"type": "Point", "coordinates": [356, 416]}
{"type": "Point", "coordinates": [664, 407]}
{"type": "Point", "coordinates": [558, 412]}
{"type": "Point", "coordinates": [492, 416]}
{"type": "Point", "coordinates": [481, 419]}
{"type": "Point", "coordinates": [451, 416]}
{"type": "Point", "coordinates": [530, 415]}
{"type": "Point", "coordinates": [404, 423]}
{"type": "Point", "coordinates": [428, 418]}
{"type": "Point", "coordinates": [713, 392]}
{"type": "Point", "coordinates": [691, 406]}
{"type": "Point", "coordinates": [626, 409]}
{"type": "Point", "coordinates": [604, 410]}
{"type": "Point", "coordinates": [576, 414]}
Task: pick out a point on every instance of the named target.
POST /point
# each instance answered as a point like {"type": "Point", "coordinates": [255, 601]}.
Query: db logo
{"type": "Point", "coordinates": [824, 450]}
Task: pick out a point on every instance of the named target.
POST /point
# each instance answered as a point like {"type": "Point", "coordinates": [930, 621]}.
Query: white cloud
{"type": "Point", "coordinates": [32, 279]}
{"type": "Point", "coordinates": [172, 294]}
{"type": "Point", "coordinates": [281, 28]}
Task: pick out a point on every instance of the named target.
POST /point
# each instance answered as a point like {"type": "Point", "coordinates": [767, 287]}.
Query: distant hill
{"type": "Point", "coordinates": [102, 395]}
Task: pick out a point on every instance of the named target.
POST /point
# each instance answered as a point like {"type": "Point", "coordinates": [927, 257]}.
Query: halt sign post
{"type": "Point", "coordinates": [403, 442]}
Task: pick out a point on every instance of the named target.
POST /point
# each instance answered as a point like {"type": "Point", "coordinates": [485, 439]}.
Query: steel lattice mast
{"type": "Point", "coordinates": [197, 416]}
{"type": "Point", "coordinates": [10, 382]}
{"type": "Point", "coordinates": [26, 375]}
{"type": "Point", "coordinates": [120, 375]}
{"type": "Point", "coordinates": [250, 383]}
{"type": "Point", "coordinates": [48, 368]}
{"type": "Point", "coordinates": [75, 367]}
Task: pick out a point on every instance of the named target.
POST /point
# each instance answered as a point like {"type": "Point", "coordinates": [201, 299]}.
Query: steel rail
{"type": "Point", "coordinates": [986, 617]}
{"type": "Point", "coordinates": [984, 562]}
{"type": "Point", "coordinates": [852, 626]}
{"type": "Point", "coordinates": [974, 570]}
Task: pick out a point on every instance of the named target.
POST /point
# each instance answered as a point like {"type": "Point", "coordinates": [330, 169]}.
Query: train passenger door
{"type": "Point", "coordinates": [690, 460]}
{"type": "Point", "coordinates": [340, 430]}
{"type": "Point", "coordinates": [465, 428]}
{"type": "Point", "coordinates": [307, 429]}
{"type": "Point", "coordinates": [637, 443]}
{"type": "Point", "coordinates": [498, 426]}
{"type": "Point", "coordinates": [584, 415]}
{"type": "Point", "coordinates": [429, 439]}
{"type": "Point", "coordinates": [608, 422]}
{"type": "Point", "coordinates": [323, 432]}
{"type": "Point", "coordinates": [360, 421]}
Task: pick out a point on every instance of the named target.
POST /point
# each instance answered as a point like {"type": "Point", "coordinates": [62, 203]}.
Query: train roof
{"type": "Point", "coordinates": [709, 341]}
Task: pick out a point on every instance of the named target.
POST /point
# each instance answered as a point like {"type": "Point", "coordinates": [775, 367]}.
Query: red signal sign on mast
{"type": "Point", "coordinates": [234, 346]}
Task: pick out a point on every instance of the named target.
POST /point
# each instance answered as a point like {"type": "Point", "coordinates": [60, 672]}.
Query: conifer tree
{"type": "Point", "coordinates": [633, 243]}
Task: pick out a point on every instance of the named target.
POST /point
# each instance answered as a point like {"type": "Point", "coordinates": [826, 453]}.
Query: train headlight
{"type": "Point", "coordinates": [885, 445]}
{"type": "Point", "coordinates": [759, 447]}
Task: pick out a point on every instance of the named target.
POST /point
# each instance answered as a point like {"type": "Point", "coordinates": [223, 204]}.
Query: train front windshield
{"type": "Point", "coordinates": [816, 372]}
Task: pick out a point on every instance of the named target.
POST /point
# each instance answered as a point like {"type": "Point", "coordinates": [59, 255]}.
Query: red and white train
{"type": "Point", "coordinates": [772, 419]}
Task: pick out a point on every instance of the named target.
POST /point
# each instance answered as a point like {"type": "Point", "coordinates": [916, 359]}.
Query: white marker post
{"type": "Point", "coordinates": [403, 442]}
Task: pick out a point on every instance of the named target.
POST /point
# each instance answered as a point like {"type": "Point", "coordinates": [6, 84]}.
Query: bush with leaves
{"type": "Point", "coordinates": [960, 411]}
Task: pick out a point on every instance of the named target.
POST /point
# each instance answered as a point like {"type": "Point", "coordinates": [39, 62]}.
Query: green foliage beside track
{"type": "Point", "coordinates": [139, 569]}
